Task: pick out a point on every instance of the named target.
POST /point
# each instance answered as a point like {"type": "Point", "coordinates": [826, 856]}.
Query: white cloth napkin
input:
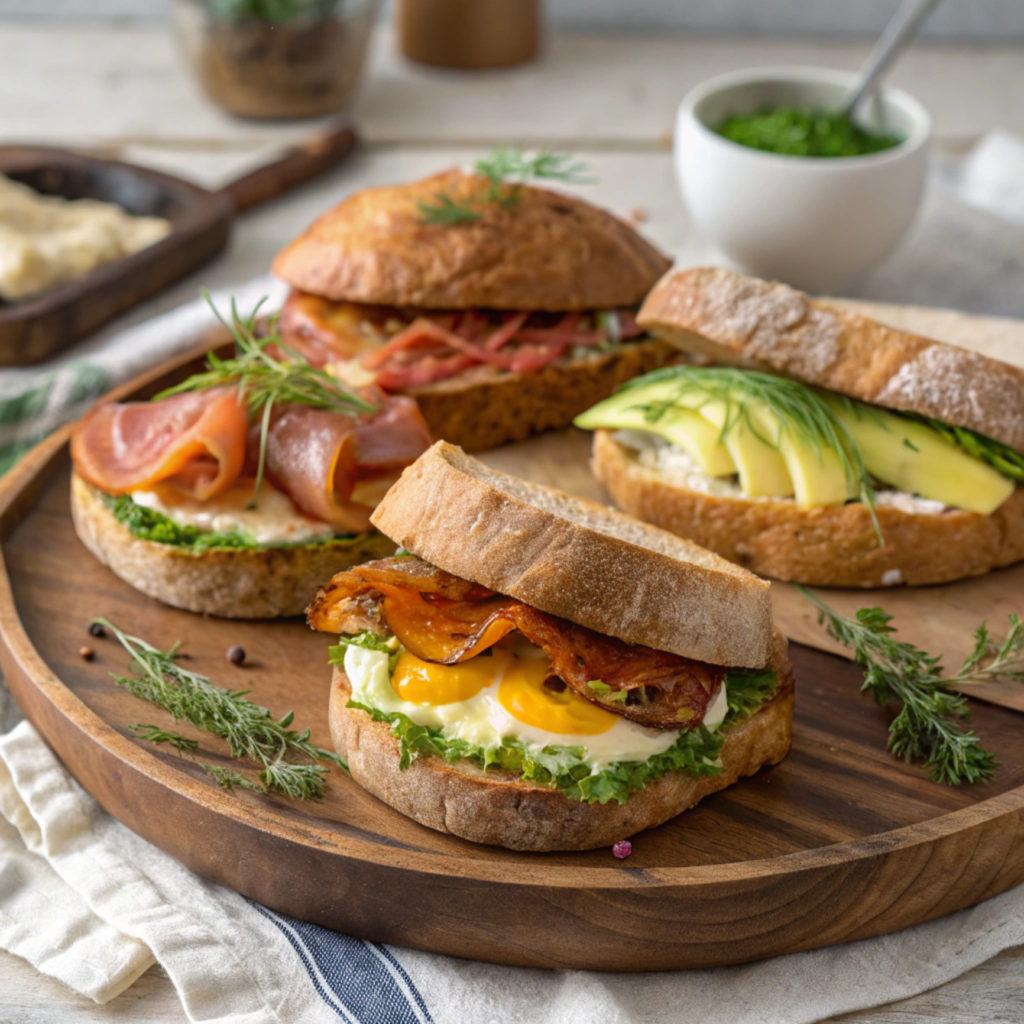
{"type": "Point", "coordinates": [87, 901]}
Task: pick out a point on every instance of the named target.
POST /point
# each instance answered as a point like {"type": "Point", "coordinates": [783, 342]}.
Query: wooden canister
{"type": "Point", "coordinates": [468, 33]}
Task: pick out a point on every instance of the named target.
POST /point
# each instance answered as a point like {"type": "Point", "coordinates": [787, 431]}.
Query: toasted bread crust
{"type": "Point", "coordinates": [481, 414]}
{"type": "Point", "coordinates": [768, 326]}
{"type": "Point", "coordinates": [577, 559]}
{"type": "Point", "coordinates": [546, 251]}
{"type": "Point", "coordinates": [263, 583]}
{"type": "Point", "coordinates": [501, 809]}
{"type": "Point", "coordinates": [833, 546]}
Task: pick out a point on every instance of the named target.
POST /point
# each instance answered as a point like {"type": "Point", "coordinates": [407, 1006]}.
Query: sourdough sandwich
{"type": "Point", "coordinates": [815, 444]}
{"type": "Point", "coordinates": [540, 672]}
{"type": "Point", "coordinates": [503, 317]}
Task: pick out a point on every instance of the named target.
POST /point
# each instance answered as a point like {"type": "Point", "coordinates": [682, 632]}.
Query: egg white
{"type": "Point", "coordinates": [483, 721]}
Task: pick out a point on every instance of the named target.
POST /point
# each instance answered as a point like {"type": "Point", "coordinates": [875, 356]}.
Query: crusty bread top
{"type": "Point", "coordinates": [770, 326]}
{"type": "Point", "coordinates": [546, 251]}
{"type": "Point", "coordinates": [578, 560]}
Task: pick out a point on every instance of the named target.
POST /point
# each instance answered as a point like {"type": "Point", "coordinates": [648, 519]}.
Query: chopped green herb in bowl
{"type": "Point", "coordinates": [792, 131]}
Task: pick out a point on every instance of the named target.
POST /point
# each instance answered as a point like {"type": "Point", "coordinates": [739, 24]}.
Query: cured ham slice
{"type": "Point", "coordinates": [194, 441]}
{"type": "Point", "coordinates": [335, 468]}
{"type": "Point", "coordinates": [322, 459]}
{"type": "Point", "coordinates": [431, 346]}
{"type": "Point", "coordinates": [441, 618]}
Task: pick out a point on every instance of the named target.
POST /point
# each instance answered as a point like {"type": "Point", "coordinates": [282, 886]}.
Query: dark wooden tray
{"type": "Point", "coordinates": [33, 330]}
{"type": "Point", "coordinates": [838, 842]}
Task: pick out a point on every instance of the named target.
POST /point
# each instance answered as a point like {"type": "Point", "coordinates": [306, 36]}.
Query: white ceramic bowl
{"type": "Point", "coordinates": [813, 222]}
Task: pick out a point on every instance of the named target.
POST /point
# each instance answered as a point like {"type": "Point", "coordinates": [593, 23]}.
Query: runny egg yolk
{"type": "Point", "coordinates": [426, 682]}
{"type": "Point", "coordinates": [522, 694]}
{"type": "Point", "coordinates": [520, 690]}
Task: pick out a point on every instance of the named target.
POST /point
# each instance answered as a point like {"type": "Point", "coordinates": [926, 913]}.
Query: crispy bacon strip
{"type": "Point", "coordinates": [194, 441]}
{"type": "Point", "coordinates": [441, 618]}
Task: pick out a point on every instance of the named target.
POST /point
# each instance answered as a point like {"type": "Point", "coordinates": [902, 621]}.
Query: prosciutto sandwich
{"type": "Point", "coordinates": [822, 446]}
{"type": "Point", "coordinates": [239, 491]}
{"type": "Point", "coordinates": [542, 673]}
{"type": "Point", "coordinates": [504, 309]}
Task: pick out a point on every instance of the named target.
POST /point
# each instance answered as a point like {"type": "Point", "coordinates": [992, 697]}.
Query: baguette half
{"type": "Point", "coordinates": [829, 546]}
{"type": "Point", "coordinates": [577, 559]}
{"type": "Point", "coordinates": [500, 808]}
{"type": "Point", "coordinates": [731, 318]}
{"type": "Point", "coordinates": [244, 583]}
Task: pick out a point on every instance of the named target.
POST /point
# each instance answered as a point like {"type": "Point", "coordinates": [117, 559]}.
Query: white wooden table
{"type": "Point", "coordinates": [122, 90]}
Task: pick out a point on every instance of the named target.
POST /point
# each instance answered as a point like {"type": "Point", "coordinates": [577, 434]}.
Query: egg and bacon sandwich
{"type": "Point", "coordinates": [502, 308]}
{"type": "Point", "coordinates": [821, 446]}
{"type": "Point", "coordinates": [540, 672]}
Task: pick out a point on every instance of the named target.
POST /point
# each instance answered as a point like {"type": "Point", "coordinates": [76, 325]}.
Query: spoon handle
{"type": "Point", "coordinates": [901, 29]}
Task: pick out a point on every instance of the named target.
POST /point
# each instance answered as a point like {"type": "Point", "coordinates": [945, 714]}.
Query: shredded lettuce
{"type": "Point", "coordinates": [148, 524]}
{"type": "Point", "coordinates": [566, 769]}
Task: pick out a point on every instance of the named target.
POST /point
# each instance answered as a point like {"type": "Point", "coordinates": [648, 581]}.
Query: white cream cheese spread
{"type": "Point", "coordinates": [275, 520]}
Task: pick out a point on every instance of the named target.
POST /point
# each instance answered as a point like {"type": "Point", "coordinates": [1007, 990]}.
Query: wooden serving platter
{"type": "Point", "coordinates": [838, 842]}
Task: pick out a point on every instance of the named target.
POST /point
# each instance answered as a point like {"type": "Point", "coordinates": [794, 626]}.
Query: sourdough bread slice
{"type": "Point", "coordinates": [828, 546]}
{"type": "Point", "coordinates": [243, 583]}
{"type": "Point", "coordinates": [502, 809]}
{"type": "Point", "coordinates": [483, 412]}
{"type": "Point", "coordinates": [545, 251]}
{"type": "Point", "coordinates": [768, 326]}
{"type": "Point", "coordinates": [577, 559]}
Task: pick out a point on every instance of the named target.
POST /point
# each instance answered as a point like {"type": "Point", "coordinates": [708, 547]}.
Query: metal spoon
{"type": "Point", "coordinates": [897, 35]}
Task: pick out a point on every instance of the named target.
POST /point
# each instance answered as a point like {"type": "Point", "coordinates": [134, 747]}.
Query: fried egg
{"type": "Point", "coordinates": [500, 696]}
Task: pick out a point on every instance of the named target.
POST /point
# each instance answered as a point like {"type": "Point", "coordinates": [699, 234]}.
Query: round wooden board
{"type": "Point", "coordinates": [838, 842]}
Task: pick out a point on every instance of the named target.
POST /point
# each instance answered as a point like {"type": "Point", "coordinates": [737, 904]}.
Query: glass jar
{"type": "Point", "coordinates": [276, 58]}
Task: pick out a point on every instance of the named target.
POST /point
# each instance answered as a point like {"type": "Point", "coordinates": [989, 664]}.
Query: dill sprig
{"type": "Point", "coordinates": [797, 408]}
{"type": "Point", "coordinates": [265, 381]}
{"type": "Point", "coordinates": [500, 165]}
{"type": "Point", "coordinates": [249, 729]}
{"type": "Point", "coordinates": [925, 728]}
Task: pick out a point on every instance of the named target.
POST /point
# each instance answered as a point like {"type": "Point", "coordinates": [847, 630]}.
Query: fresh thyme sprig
{"type": "Point", "coordinates": [249, 729]}
{"type": "Point", "coordinates": [154, 734]}
{"type": "Point", "coordinates": [265, 381]}
{"type": "Point", "coordinates": [796, 407]}
{"type": "Point", "coordinates": [925, 727]}
{"type": "Point", "coordinates": [498, 167]}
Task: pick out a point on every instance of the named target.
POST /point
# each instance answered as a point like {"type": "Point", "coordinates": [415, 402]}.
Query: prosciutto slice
{"type": "Point", "coordinates": [323, 460]}
{"type": "Point", "coordinates": [333, 467]}
{"type": "Point", "coordinates": [195, 441]}
{"type": "Point", "coordinates": [441, 618]}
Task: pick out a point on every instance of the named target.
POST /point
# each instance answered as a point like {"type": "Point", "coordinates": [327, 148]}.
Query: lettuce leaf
{"type": "Point", "coordinates": [148, 524]}
{"type": "Point", "coordinates": [696, 752]}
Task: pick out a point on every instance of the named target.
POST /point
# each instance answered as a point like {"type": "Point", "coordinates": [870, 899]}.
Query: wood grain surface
{"type": "Point", "coordinates": [838, 842]}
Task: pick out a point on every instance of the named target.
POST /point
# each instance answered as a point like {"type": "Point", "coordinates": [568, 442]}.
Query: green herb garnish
{"type": "Point", "coordinates": [265, 381]}
{"type": "Point", "coordinates": [798, 409]}
{"type": "Point", "coordinates": [696, 751]}
{"type": "Point", "coordinates": [149, 524]}
{"type": "Point", "coordinates": [276, 12]}
{"type": "Point", "coordinates": [498, 167]}
{"type": "Point", "coordinates": [791, 131]}
{"type": "Point", "coordinates": [925, 727]}
{"type": "Point", "coordinates": [154, 734]}
{"type": "Point", "coordinates": [249, 729]}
